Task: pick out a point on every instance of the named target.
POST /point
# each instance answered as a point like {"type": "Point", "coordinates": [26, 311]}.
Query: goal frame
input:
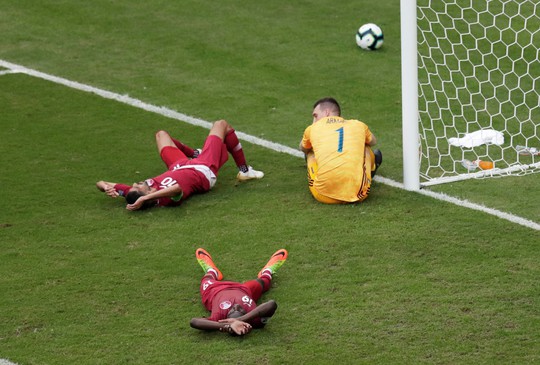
{"type": "Point", "coordinates": [411, 138]}
{"type": "Point", "coordinates": [409, 95]}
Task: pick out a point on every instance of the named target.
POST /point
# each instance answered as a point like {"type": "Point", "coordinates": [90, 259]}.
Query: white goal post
{"type": "Point", "coordinates": [470, 89]}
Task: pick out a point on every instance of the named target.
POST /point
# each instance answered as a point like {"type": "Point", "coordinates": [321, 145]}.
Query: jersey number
{"type": "Point", "coordinates": [168, 181]}
{"type": "Point", "coordinates": [247, 300]}
{"type": "Point", "coordinates": [340, 139]}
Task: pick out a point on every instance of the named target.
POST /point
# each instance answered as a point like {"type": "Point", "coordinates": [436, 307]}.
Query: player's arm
{"type": "Point", "coordinates": [108, 188]}
{"type": "Point", "coordinates": [263, 311]}
{"type": "Point", "coordinates": [303, 149]}
{"type": "Point", "coordinates": [174, 191]}
{"type": "Point", "coordinates": [373, 140]}
{"type": "Point", "coordinates": [305, 143]}
{"type": "Point", "coordinates": [235, 327]}
{"type": "Point", "coordinates": [104, 185]}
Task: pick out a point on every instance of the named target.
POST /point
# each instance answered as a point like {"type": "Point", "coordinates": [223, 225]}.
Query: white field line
{"type": "Point", "coordinates": [145, 106]}
{"type": "Point", "coordinates": [5, 72]}
{"type": "Point", "coordinates": [251, 139]}
{"type": "Point", "coordinates": [4, 361]}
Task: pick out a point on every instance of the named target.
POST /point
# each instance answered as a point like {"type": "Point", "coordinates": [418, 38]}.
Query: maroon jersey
{"type": "Point", "coordinates": [193, 176]}
{"type": "Point", "coordinates": [190, 181]}
{"type": "Point", "coordinates": [219, 296]}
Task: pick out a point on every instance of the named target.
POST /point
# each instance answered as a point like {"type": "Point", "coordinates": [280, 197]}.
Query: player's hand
{"type": "Point", "coordinates": [241, 328]}
{"type": "Point", "coordinates": [137, 205]}
{"type": "Point", "coordinates": [238, 327]}
{"type": "Point", "coordinates": [111, 191]}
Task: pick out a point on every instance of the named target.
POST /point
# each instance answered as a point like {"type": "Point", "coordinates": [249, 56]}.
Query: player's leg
{"type": "Point", "coordinates": [372, 161]}
{"type": "Point", "coordinates": [163, 139]}
{"type": "Point", "coordinates": [312, 169]}
{"type": "Point", "coordinates": [264, 278]}
{"type": "Point", "coordinates": [367, 169]}
{"type": "Point", "coordinates": [234, 147]}
{"type": "Point", "coordinates": [205, 260]}
{"type": "Point", "coordinates": [223, 130]}
{"type": "Point", "coordinates": [214, 153]}
{"type": "Point", "coordinates": [168, 150]}
{"type": "Point", "coordinates": [258, 286]}
{"type": "Point", "coordinates": [211, 276]}
{"type": "Point", "coordinates": [187, 150]}
{"type": "Point", "coordinates": [276, 260]}
{"type": "Point", "coordinates": [376, 156]}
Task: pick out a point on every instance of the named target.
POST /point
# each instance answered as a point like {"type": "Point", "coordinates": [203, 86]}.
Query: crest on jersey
{"type": "Point", "coordinates": [225, 305]}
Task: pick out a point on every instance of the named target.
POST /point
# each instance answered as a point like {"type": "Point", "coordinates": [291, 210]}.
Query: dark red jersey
{"type": "Point", "coordinates": [219, 296]}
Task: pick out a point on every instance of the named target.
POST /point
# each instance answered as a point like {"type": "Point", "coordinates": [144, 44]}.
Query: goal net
{"type": "Point", "coordinates": [478, 88]}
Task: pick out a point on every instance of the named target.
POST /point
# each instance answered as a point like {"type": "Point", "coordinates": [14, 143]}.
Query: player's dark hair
{"type": "Point", "coordinates": [132, 197]}
{"type": "Point", "coordinates": [328, 103]}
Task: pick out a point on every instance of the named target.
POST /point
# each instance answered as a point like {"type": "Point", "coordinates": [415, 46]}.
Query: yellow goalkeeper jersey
{"type": "Point", "coordinates": [339, 146]}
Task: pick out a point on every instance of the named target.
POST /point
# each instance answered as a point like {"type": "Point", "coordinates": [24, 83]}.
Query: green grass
{"type": "Point", "coordinates": [401, 278]}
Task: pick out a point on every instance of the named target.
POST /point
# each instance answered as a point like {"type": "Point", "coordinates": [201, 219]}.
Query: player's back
{"type": "Point", "coordinates": [339, 147]}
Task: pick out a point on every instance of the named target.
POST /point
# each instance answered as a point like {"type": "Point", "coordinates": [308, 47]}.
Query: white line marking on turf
{"type": "Point", "coordinates": [6, 362]}
{"type": "Point", "coordinates": [145, 106]}
{"type": "Point", "coordinates": [254, 140]}
{"type": "Point", "coordinates": [5, 72]}
{"type": "Point", "coordinates": [465, 203]}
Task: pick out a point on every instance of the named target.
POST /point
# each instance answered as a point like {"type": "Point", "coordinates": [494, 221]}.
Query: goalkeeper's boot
{"type": "Point", "coordinates": [275, 262]}
{"type": "Point", "coordinates": [378, 161]}
{"type": "Point", "coordinates": [251, 173]}
{"type": "Point", "coordinates": [205, 260]}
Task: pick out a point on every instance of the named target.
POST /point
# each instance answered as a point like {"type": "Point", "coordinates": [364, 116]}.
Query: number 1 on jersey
{"type": "Point", "coordinates": [340, 140]}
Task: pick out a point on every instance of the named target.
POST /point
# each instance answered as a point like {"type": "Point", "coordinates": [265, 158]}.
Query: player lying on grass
{"type": "Point", "coordinates": [189, 171]}
{"type": "Point", "coordinates": [339, 157]}
{"type": "Point", "coordinates": [233, 305]}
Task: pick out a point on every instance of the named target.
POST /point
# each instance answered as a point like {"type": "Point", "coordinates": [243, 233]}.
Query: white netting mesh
{"type": "Point", "coordinates": [479, 69]}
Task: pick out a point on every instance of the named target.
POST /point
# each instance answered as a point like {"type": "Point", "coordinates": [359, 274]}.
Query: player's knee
{"type": "Point", "coordinates": [222, 124]}
{"type": "Point", "coordinates": [161, 134]}
{"type": "Point", "coordinates": [220, 128]}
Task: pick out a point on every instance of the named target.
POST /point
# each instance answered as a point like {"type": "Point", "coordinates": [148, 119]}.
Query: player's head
{"type": "Point", "coordinates": [137, 190]}
{"type": "Point", "coordinates": [236, 311]}
{"type": "Point", "coordinates": [325, 107]}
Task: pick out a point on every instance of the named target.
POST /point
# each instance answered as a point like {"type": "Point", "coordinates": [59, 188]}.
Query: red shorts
{"type": "Point", "coordinates": [214, 155]}
{"type": "Point", "coordinates": [172, 155]}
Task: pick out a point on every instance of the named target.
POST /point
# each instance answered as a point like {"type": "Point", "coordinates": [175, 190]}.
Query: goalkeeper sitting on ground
{"type": "Point", "coordinates": [339, 157]}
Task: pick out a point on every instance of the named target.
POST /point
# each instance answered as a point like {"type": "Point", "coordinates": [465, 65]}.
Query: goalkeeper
{"type": "Point", "coordinates": [340, 160]}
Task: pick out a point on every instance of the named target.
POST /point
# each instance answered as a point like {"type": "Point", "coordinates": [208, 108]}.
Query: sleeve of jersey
{"type": "Point", "coordinates": [368, 135]}
{"type": "Point", "coordinates": [122, 189]}
{"type": "Point", "coordinates": [176, 200]}
{"type": "Point", "coordinates": [306, 142]}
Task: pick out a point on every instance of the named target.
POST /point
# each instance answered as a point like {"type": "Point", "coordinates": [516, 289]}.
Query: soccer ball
{"type": "Point", "coordinates": [370, 37]}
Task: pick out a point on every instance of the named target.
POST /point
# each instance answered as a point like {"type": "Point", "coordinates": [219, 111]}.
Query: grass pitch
{"type": "Point", "coordinates": [400, 278]}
